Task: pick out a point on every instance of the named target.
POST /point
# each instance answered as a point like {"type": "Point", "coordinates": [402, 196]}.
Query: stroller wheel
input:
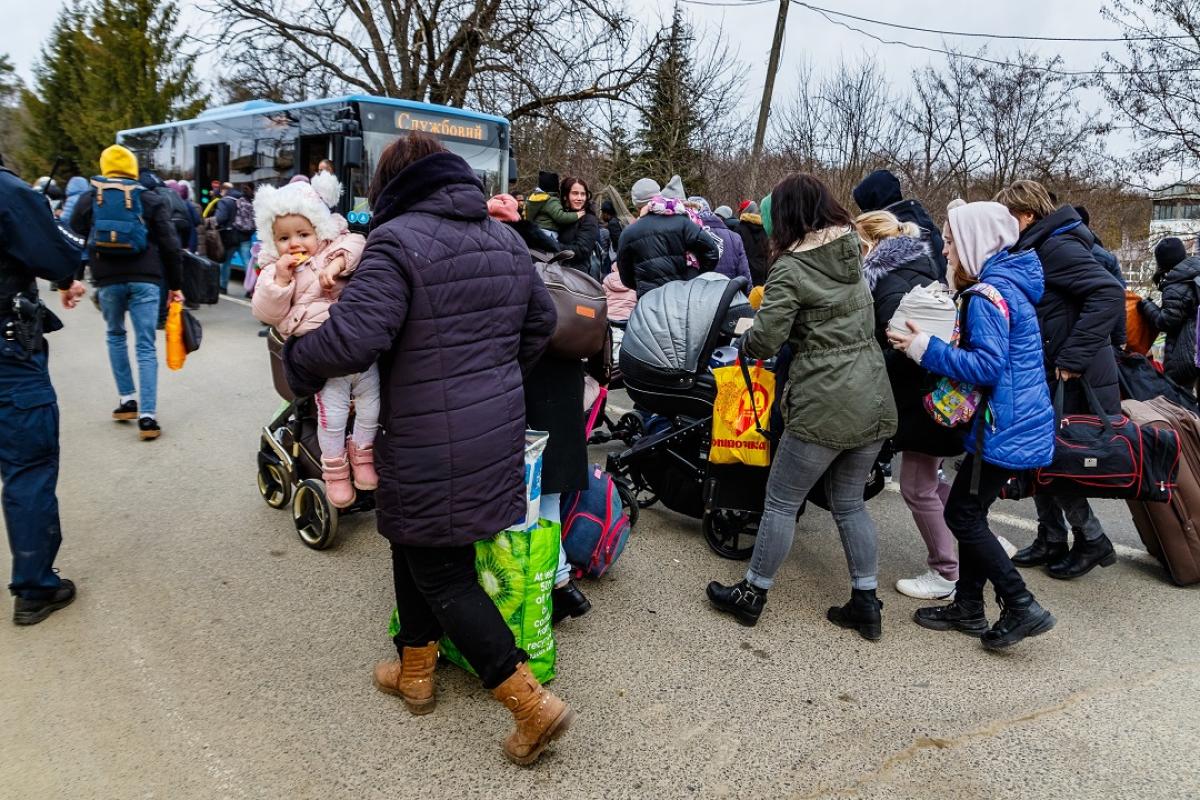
{"type": "Point", "coordinates": [628, 500]}
{"type": "Point", "coordinates": [273, 482]}
{"type": "Point", "coordinates": [731, 534]}
{"type": "Point", "coordinates": [316, 521]}
{"type": "Point", "coordinates": [629, 428]}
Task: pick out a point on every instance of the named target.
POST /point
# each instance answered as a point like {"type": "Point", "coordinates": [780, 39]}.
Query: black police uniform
{"type": "Point", "coordinates": [32, 246]}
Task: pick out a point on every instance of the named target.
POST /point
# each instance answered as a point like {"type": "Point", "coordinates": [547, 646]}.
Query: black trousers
{"type": "Point", "coordinates": [980, 556]}
{"type": "Point", "coordinates": [438, 592]}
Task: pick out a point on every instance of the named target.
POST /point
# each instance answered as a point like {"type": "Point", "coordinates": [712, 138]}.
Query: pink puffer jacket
{"type": "Point", "coordinates": [621, 299]}
{"type": "Point", "coordinates": [303, 305]}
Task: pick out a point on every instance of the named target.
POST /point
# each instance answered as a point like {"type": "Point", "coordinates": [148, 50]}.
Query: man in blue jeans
{"type": "Point", "coordinates": [31, 246]}
{"type": "Point", "coordinates": [129, 284]}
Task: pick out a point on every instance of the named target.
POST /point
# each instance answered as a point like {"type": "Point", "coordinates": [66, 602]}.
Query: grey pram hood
{"type": "Point", "coordinates": [670, 325]}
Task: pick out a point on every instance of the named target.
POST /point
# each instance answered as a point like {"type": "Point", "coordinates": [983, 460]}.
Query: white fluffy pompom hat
{"type": "Point", "coordinates": [310, 200]}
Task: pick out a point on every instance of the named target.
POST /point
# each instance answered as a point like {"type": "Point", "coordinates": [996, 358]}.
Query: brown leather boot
{"type": "Point", "coordinates": [410, 678]}
{"type": "Point", "coordinates": [540, 716]}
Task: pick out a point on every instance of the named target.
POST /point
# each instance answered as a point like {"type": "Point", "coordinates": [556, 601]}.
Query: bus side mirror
{"type": "Point", "coordinates": [512, 169]}
{"type": "Point", "coordinates": [352, 152]}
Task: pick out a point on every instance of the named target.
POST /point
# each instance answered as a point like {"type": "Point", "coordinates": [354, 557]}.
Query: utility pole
{"type": "Point", "coordinates": [764, 110]}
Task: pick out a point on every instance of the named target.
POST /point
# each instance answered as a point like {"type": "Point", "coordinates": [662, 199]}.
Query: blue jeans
{"type": "Point", "coordinates": [29, 470]}
{"type": "Point", "coordinates": [242, 249]}
{"type": "Point", "coordinates": [140, 300]}
{"type": "Point", "coordinates": [795, 469]}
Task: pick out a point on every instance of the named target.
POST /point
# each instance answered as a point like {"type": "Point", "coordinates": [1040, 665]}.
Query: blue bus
{"type": "Point", "coordinates": [261, 142]}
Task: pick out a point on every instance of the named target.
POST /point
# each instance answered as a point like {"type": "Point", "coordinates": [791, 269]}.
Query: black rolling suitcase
{"type": "Point", "coordinates": [201, 279]}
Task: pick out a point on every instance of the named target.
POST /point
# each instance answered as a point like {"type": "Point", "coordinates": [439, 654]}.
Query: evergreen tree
{"type": "Point", "coordinates": [670, 123]}
{"type": "Point", "coordinates": [108, 66]}
{"type": "Point", "coordinates": [10, 93]}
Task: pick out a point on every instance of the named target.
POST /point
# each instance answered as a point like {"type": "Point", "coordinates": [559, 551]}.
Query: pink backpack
{"type": "Point", "coordinates": [595, 526]}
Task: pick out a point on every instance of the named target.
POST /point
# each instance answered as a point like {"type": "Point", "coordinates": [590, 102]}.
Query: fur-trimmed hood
{"type": "Point", "coordinates": [310, 200]}
{"type": "Point", "coordinates": [890, 254]}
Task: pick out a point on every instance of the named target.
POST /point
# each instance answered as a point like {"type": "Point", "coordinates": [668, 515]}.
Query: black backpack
{"type": "Point", "coordinates": [181, 218]}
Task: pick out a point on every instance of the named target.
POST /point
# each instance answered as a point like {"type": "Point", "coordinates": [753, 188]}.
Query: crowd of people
{"type": "Point", "coordinates": [435, 329]}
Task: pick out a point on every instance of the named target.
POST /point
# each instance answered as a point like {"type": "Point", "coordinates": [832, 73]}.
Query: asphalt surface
{"type": "Point", "coordinates": [212, 655]}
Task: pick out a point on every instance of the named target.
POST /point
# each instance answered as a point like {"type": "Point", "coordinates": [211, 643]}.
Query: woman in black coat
{"type": "Point", "coordinates": [579, 238]}
{"type": "Point", "coordinates": [1078, 313]}
{"type": "Point", "coordinates": [896, 262]}
{"type": "Point", "coordinates": [1176, 276]}
{"type": "Point", "coordinates": [554, 404]}
{"type": "Point", "coordinates": [448, 302]}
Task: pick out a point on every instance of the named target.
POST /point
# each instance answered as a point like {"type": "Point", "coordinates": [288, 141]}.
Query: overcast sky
{"type": "Point", "coordinates": [749, 32]}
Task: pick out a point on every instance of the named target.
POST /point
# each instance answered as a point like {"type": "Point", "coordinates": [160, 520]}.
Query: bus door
{"type": "Point", "coordinates": [312, 150]}
{"type": "Point", "coordinates": [212, 167]}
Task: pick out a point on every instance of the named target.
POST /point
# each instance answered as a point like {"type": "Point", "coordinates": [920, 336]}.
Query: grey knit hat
{"type": "Point", "coordinates": [643, 190]}
{"type": "Point", "coordinates": [674, 189]}
{"type": "Point", "coordinates": [724, 212]}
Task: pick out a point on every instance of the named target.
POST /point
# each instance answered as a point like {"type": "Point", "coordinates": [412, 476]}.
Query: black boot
{"type": "Point", "coordinates": [568, 601]}
{"type": "Point", "coordinates": [861, 614]}
{"type": "Point", "coordinates": [1041, 552]}
{"type": "Point", "coordinates": [1018, 619]}
{"type": "Point", "coordinates": [744, 601]}
{"type": "Point", "coordinates": [1085, 555]}
{"type": "Point", "coordinates": [961, 615]}
{"type": "Point", "coordinates": [31, 612]}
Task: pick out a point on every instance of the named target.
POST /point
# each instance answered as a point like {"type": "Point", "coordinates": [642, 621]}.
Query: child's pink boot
{"type": "Point", "coordinates": [362, 461]}
{"type": "Point", "coordinates": [336, 474]}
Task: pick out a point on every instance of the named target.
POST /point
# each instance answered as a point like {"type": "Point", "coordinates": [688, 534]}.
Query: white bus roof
{"type": "Point", "coordinates": [251, 107]}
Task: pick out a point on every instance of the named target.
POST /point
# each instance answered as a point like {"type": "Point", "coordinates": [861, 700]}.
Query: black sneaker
{"type": "Point", "coordinates": [863, 614]}
{"type": "Point", "coordinates": [1018, 620]}
{"type": "Point", "coordinates": [957, 616]}
{"type": "Point", "coordinates": [126, 412]}
{"type": "Point", "coordinates": [148, 429]}
{"type": "Point", "coordinates": [568, 601]}
{"type": "Point", "coordinates": [743, 601]}
{"type": "Point", "coordinates": [31, 612]}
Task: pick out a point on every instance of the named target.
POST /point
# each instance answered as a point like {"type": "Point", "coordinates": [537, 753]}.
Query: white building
{"type": "Point", "coordinates": [1176, 212]}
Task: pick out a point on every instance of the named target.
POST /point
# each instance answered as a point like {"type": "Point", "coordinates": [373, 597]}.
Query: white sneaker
{"type": "Point", "coordinates": [1009, 547]}
{"type": "Point", "coordinates": [930, 586]}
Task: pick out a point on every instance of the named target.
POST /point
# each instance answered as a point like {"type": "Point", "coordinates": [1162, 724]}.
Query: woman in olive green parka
{"type": "Point", "coordinates": [837, 403]}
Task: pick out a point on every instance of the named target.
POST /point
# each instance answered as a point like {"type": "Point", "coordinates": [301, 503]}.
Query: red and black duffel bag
{"type": "Point", "coordinates": [1097, 455]}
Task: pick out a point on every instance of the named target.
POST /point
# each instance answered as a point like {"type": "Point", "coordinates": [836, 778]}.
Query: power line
{"type": "Point", "coordinates": [716, 3]}
{"type": "Point", "coordinates": [986, 35]}
{"type": "Point", "coordinates": [986, 60]}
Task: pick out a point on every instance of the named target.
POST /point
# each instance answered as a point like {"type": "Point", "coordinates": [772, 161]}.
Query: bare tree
{"type": "Point", "coordinates": [1154, 82]}
{"type": "Point", "coordinates": [530, 55]}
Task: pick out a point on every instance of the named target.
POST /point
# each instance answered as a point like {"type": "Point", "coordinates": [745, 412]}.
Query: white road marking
{"type": "Point", "coordinates": [1021, 523]}
{"type": "Point", "coordinates": [237, 300]}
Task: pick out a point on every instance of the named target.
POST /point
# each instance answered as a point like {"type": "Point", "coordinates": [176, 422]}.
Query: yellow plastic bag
{"type": "Point", "coordinates": [741, 415]}
{"type": "Point", "coordinates": [176, 352]}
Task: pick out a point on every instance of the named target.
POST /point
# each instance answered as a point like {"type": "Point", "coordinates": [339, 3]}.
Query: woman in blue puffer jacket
{"type": "Point", "coordinates": [1003, 352]}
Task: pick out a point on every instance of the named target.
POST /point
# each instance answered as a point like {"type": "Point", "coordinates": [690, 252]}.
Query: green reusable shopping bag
{"type": "Point", "coordinates": [517, 570]}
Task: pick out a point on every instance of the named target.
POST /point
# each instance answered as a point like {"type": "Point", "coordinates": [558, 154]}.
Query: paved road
{"type": "Point", "coordinates": [212, 655]}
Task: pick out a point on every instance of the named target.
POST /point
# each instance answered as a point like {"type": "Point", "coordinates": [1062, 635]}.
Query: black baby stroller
{"type": "Point", "coordinates": [665, 363]}
{"type": "Point", "coordinates": [289, 463]}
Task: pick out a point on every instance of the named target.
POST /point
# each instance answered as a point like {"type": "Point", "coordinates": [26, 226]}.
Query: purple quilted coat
{"type": "Point", "coordinates": [448, 302]}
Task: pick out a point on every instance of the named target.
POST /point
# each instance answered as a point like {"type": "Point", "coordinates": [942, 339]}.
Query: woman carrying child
{"type": "Point", "coordinates": [308, 254]}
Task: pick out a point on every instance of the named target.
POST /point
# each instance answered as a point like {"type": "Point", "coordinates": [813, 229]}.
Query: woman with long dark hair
{"type": "Point", "coordinates": [579, 238]}
{"type": "Point", "coordinates": [448, 301]}
{"type": "Point", "coordinates": [837, 405]}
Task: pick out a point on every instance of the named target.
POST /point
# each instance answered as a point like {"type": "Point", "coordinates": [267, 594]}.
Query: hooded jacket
{"type": "Point", "coordinates": [1176, 317]}
{"type": "Point", "coordinates": [1078, 309]}
{"type": "Point", "coordinates": [1007, 356]}
{"type": "Point", "coordinates": [76, 187]}
{"type": "Point", "coordinates": [447, 300]}
{"type": "Point", "coordinates": [653, 251]}
{"type": "Point", "coordinates": [880, 191]}
{"type": "Point", "coordinates": [303, 305]}
{"type": "Point", "coordinates": [816, 300]}
{"type": "Point", "coordinates": [621, 299]}
{"type": "Point", "coordinates": [895, 267]}
{"type": "Point", "coordinates": [733, 263]}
